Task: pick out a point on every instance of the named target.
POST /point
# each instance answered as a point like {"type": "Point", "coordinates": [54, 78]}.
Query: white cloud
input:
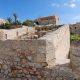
{"type": "Point", "coordinates": [55, 5]}
{"type": "Point", "coordinates": [72, 5]}
{"type": "Point", "coordinates": [76, 17]}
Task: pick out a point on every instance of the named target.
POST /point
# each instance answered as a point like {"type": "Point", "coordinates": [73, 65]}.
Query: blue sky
{"type": "Point", "coordinates": [67, 10]}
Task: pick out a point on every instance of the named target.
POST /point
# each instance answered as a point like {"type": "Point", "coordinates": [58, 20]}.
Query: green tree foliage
{"type": "Point", "coordinates": [11, 23]}
{"type": "Point", "coordinates": [9, 19]}
{"type": "Point", "coordinates": [28, 23]}
{"type": "Point", "coordinates": [15, 20]}
{"type": "Point", "coordinates": [5, 26]}
{"type": "Point", "coordinates": [46, 28]}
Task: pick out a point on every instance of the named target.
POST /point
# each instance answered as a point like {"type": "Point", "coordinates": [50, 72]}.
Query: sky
{"type": "Point", "coordinates": [67, 10]}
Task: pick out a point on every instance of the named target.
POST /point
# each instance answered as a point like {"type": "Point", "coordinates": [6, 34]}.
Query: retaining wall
{"type": "Point", "coordinates": [75, 56]}
{"type": "Point", "coordinates": [15, 33]}
{"type": "Point", "coordinates": [32, 59]}
{"type": "Point", "coordinates": [61, 44]}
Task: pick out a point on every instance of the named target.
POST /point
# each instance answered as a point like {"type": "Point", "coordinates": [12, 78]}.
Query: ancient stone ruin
{"type": "Point", "coordinates": [42, 59]}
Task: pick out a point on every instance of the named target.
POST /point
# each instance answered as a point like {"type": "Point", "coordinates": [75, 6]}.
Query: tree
{"type": "Point", "coordinates": [16, 21]}
{"type": "Point", "coordinates": [9, 20]}
{"type": "Point", "coordinates": [28, 23]}
{"type": "Point", "coordinates": [15, 18]}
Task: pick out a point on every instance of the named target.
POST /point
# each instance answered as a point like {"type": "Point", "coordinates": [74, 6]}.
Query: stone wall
{"type": "Point", "coordinates": [15, 33]}
{"type": "Point", "coordinates": [36, 59]}
{"type": "Point", "coordinates": [20, 59]}
{"type": "Point", "coordinates": [75, 29]}
{"type": "Point", "coordinates": [75, 56]}
{"type": "Point", "coordinates": [61, 42]}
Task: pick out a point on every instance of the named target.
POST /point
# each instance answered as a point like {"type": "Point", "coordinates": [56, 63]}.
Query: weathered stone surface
{"type": "Point", "coordinates": [60, 44]}
{"type": "Point", "coordinates": [75, 56]}
{"type": "Point", "coordinates": [34, 59]}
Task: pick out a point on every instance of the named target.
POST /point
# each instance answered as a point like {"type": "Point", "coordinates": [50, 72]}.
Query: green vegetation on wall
{"type": "Point", "coordinates": [75, 37]}
{"type": "Point", "coordinates": [47, 27]}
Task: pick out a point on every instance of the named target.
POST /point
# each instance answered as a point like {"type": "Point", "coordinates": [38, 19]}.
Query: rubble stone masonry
{"type": "Point", "coordinates": [36, 59]}
{"type": "Point", "coordinates": [75, 56]}
{"type": "Point", "coordinates": [15, 33]}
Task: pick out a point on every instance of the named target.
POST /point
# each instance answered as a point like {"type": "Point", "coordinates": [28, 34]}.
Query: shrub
{"type": "Point", "coordinates": [75, 37]}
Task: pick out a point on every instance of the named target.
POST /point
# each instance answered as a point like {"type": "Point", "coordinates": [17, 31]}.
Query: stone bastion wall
{"type": "Point", "coordinates": [61, 44]}
{"type": "Point", "coordinates": [15, 33]}
{"type": "Point", "coordinates": [75, 57]}
{"type": "Point", "coordinates": [33, 59]}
